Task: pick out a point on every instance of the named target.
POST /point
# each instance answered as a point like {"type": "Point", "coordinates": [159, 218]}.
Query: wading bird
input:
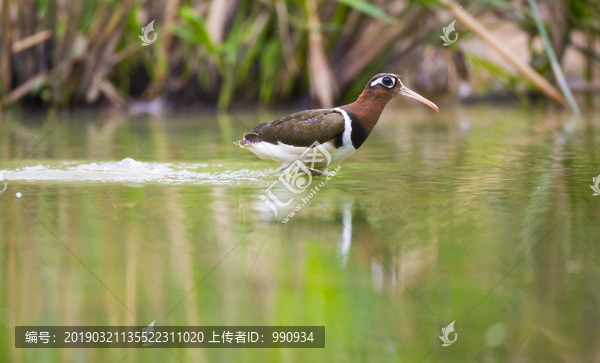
{"type": "Point", "coordinates": [341, 130]}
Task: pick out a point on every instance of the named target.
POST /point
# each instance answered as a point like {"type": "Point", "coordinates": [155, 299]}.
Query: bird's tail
{"type": "Point", "coordinates": [249, 139]}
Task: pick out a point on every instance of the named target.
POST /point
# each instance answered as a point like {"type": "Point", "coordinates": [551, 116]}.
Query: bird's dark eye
{"type": "Point", "coordinates": [387, 81]}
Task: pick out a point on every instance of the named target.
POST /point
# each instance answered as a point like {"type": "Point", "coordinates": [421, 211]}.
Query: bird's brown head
{"type": "Point", "coordinates": [385, 86]}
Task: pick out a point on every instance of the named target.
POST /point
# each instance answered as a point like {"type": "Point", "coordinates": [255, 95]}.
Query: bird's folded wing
{"type": "Point", "coordinates": [301, 128]}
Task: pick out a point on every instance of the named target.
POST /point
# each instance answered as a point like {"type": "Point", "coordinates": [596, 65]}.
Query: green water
{"type": "Point", "coordinates": [476, 215]}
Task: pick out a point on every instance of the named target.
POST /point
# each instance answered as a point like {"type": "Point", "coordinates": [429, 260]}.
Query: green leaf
{"type": "Point", "coordinates": [197, 34]}
{"type": "Point", "coordinates": [269, 60]}
{"type": "Point", "coordinates": [369, 9]}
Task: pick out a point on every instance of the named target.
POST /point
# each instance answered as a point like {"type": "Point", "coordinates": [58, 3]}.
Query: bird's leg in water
{"type": "Point", "coordinates": [317, 172]}
{"type": "Point", "coordinates": [282, 167]}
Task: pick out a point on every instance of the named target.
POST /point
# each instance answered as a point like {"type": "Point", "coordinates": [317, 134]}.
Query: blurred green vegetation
{"type": "Point", "coordinates": [61, 53]}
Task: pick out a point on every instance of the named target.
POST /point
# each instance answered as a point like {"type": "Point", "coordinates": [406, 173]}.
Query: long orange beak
{"type": "Point", "coordinates": [408, 93]}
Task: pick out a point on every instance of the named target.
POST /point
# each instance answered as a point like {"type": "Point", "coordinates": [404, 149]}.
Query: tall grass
{"type": "Point", "coordinates": [57, 53]}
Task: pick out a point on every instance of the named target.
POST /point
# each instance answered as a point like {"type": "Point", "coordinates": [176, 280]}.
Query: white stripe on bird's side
{"type": "Point", "coordinates": [347, 148]}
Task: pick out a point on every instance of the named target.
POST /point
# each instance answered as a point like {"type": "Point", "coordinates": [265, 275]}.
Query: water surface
{"type": "Point", "coordinates": [480, 215]}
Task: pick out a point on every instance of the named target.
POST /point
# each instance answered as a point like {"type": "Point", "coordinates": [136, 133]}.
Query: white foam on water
{"type": "Point", "coordinates": [129, 170]}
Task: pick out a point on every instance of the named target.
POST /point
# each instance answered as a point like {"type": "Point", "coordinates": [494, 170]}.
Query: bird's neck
{"type": "Point", "coordinates": [367, 109]}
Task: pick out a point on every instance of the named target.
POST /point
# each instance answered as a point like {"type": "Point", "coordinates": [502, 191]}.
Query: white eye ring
{"type": "Point", "coordinates": [380, 81]}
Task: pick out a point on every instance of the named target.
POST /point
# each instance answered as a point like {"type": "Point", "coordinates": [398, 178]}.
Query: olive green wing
{"type": "Point", "coordinates": [300, 129]}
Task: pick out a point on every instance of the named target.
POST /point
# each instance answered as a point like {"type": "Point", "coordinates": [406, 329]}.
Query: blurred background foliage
{"type": "Point", "coordinates": [68, 53]}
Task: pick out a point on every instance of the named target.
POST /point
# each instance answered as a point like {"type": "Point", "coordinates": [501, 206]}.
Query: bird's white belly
{"type": "Point", "coordinates": [287, 154]}
{"type": "Point", "coordinates": [282, 153]}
